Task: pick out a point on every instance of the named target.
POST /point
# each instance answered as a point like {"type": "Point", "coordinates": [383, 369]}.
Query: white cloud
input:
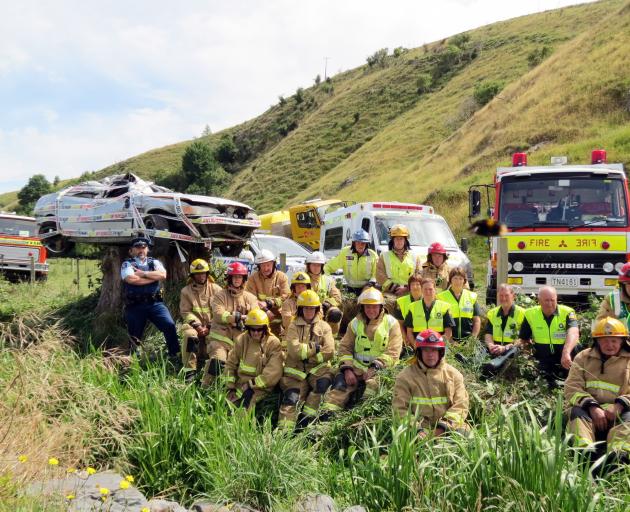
{"type": "Point", "coordinates": [157, 71]}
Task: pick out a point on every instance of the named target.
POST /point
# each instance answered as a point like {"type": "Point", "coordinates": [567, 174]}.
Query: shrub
{"type": "Point", "coordinates": [537, 55]}
{"type": "Point", "coordinates": [282, 101]}
{"type": "Point", "coordinates": [299, 95]}
{"type": "Point", "coordinates": [318, 80]}
{"type": "Point", "coordinates": [378, 58]}
{"type": "Point", "coordinates": [423, 83]}
{"type": "Point", "coordinates": [226, 150]}
{"type": "Point", "coordinates": [485, 91]}
{"type": "Point", "coordinates": [460, 40]}
{"type": "Point", "coordinates": [398, 51]}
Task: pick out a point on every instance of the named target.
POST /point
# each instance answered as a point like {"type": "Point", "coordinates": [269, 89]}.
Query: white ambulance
{"type": "Point", "coordinates": [425, 228]}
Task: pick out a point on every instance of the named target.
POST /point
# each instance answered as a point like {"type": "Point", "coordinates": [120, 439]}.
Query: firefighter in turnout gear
{"type": "Point", "coordinates": [357, 261]}
{"type": "Point", "coordinates": [141, 277]}
{"type": "Point", "coordinates": [428, 313]}
{"type": "Point", "coordinates": [325, 287]}
{"type": "Point", "coordinates": [464, 308]}
{"type": "Point", "coordinates": [196, 313]}
{"type": "Point", "coordinates": [307, 370]}
{"type": "Point", "coordinates": [271, 287]}
{"type": "Point", "coordinates": [431, 390]}
{"type": "Point", "coordinates": [372, 342]}
{"type": "Point", "coordinates": [300, 282]}
{"type": "Point", "coordinates": [597, 391]}
{"type": "Point", "coordinates": [254, 365]}
{"type": "Point", "coordinates": [436, 266]}
{"type": "Point", "coordinates": [617, 302]}
{"type": "Point", "coordinates": [229, 308]}
{"type": "Point", "coordinates": [396, 265]}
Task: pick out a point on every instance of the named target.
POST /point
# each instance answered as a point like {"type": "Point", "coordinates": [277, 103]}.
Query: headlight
{"type": "Point", "coordinates": [618, 266]}
{"type": "Point", "coordinates": [608, 267]}
{"type": "Point", "coordinates": [518, 266]}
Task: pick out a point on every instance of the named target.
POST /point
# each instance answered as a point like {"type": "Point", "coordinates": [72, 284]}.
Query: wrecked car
{"type": "Point", "coordinates": [115, 209]}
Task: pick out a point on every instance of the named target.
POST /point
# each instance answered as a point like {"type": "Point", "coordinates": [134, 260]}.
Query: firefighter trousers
{"type": "Point", "coordinates": [341, 394]}
{"type": "Point", "coordinates": [581, 426]}
{"type": "Point", "coordinates": [193, 351]}
{"type": "Point", "coordinates": [217, 356]}
{"type": "Point", "coordinates": [308, 392]}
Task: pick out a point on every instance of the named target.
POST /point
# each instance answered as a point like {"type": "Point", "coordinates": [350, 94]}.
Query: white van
{"type": "Point", "coordinates": [425, 227]}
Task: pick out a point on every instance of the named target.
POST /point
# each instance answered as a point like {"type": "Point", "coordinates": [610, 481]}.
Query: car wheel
{"type": "Point", "coordinates": [57, 245]}
{"type": "Point", "coordinates": [157, 222]}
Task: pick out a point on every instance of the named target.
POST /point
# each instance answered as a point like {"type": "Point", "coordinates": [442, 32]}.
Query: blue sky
{"type": "Point", "coordinates": [84, 85]}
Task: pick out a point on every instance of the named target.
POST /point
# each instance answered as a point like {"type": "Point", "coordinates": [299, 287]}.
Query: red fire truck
{"type": "Point", "coordinates": [567, 225]}
{"type": "Point", "coordinates": [21, 251]}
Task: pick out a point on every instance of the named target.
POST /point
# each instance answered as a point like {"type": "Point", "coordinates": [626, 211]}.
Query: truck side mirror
{"type": "Point", "coordinates": [474, 203]}
{"type": "Point", "coordinates": [464, 245]}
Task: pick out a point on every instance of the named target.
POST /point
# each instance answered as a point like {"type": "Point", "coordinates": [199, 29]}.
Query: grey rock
{"type": "Point", "coordinates": [217, 507]}
{"type": "Point", "coordinates": [355, 508]}
{"type": "Point", "coordinates": [87, 492]}
{"type": "Point", "coordinates": [165, 506]}
{"type": "Point", "coordinates": [316, 503]}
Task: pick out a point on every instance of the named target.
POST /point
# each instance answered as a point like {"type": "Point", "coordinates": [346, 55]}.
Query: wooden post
{"type": "Point", "coordinates": [32, 268]}
{"type": "Point", "coordinates": [78, 277]}
{"type": "Point", "coordinates": [283, 262]}
{"type": "Point", "coordinates": [502, 263]}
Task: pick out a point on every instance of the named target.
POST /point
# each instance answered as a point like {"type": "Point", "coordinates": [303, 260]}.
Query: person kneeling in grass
{"type": "Point", "coordinates": [254, 365]}
{"type": "Point", "coordinates": [432, 390]}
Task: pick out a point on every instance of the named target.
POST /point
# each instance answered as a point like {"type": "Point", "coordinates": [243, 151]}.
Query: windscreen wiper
{"type": "Point", "coordinates": [592, 222]}
{"type": "Point", "coordinates": [539, 224]}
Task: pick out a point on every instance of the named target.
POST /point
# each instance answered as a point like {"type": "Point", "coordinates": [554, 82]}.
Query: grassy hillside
{"type": "Point", "coordinates": [368, 133]}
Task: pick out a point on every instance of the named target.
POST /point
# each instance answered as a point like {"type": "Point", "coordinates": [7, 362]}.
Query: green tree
{"type": "Point", "coordinates": [485, 91]}
{"type": "Point", "coordinates": [36, 187]}
{"type": "Point", "coordinates": [206, 131]}
{"type": "Point", "coordinates": [318, 80]}
{"type": "Point", "coordinates": [378, 58]}
{"type": "Point", "coordinates": [226, 150]}
{"type": "Point", "coordinates": [202, 173]}
{"type": "Point", "coordinates": [424, 83]}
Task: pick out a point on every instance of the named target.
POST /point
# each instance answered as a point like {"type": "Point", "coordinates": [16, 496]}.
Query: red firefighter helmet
{"type": "Point", "coordinates": [236, 268]}
{"type": "Point", "coordinates": [430, 339]}
{"type": "Point", "coordinates": [624, 273]}
{"type": "Point", "coordinates": [437, 248]}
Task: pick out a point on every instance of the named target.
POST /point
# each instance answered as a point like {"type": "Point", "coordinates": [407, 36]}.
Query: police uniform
{"type": "Point", "coordinates": [144, 303]}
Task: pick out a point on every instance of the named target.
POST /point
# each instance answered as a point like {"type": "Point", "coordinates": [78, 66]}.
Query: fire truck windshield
{"type": "Point", "coordinates": [566, 200]}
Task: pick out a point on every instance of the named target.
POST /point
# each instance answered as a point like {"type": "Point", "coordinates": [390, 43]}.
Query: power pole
{"type": "Point", "coordinates": [325, 66]}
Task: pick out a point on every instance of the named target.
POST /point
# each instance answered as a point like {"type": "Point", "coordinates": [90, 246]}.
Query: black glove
{"type": "Point", "coordinates": [317, 348]}
{"type": "Point", "coordinates": [269, 303]}
{"type": "Point", "coordinates": [247, 397]}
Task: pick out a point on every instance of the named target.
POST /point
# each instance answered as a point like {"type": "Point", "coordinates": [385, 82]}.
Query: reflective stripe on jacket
{"type": "Point", "coordinates": [252, 361]}
{"type": "Point", "coordinates": [435, 396]}
{"type": "Point", "coordinates": [195, 301]}
{"type": "Point", "coordinates": [396, 271]}
{"type": "Point", "coordinates": [223, 305]}
{"type": "Point", "coordinates": [302, 340]}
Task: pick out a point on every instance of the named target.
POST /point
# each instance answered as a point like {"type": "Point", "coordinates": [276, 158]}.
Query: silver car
{"type": "Point", "coordinates": [119, 207]}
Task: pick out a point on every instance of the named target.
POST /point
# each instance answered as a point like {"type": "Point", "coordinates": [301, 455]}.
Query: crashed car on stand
{"type": "Point", "coordinates": [114, 210]}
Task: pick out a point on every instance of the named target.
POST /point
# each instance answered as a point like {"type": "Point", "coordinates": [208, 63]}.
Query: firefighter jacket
{"type": "Point", "coordinates": [595, 380]}
{"type": "Point", "coordinates": [439, 317]}
{"type": "Point", "coordinates": [310, 348]}
{"type": "Point", "coordinates": [259, 363]}
{"type": "Point", "coordinates": [438, 274]}
{"type": "Point", "coordinates": [391, 271]}
{"type": "Point", "coordinates": [462, 311]}
{"type": "Point", "coordinates": [615, 304]}
{"type": "Point", "coordinates": [324, 286]}
{"type": "Point", "coordinates": [358, 269]}
{"type": "Point", "coordinates": [378, 341]}
{"type": "Point", "coordinates": [436, 396]}
{"type": "Point", "coordinates": [556, 332]}
{"type": "Point", "coordinates": [224, 304]}
{"type": "Point", "coordinates": [276, 288]}
{"type": "Point", "coordinates": [195, 300]}
{"type": "Point", "coordinates": [288, 311]}
{"type": "Point", "coordinates": [509, 333]}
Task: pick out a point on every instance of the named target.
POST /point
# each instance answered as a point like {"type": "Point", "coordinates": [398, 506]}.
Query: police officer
{"type": "Point", "coordinates": [357, 261]}
{"type": "Point", "coordinates": [141, 277]}
{"type": "Point", "coordinates": [553, 329]}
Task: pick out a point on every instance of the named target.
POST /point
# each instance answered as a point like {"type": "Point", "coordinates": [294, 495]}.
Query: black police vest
{"type": "Point", "coordinates": [143, 291]}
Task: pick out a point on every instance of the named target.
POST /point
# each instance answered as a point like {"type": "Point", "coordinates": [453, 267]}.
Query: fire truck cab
{"type": "Point", "coordinates": [21, 250]}
{"type": "Point", "coordinates": [567, 225]}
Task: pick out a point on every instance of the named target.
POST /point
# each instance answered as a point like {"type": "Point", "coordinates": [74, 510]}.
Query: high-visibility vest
{"type": "Point", "coordinates": [512, 326]}
{"type": "Point", "coordinates": [618, 306]}
{"type": "Point", "coordinates": [397, 271]}
{"type": "Point", "coordinates": [462, 308]}
{"type": "Point", "coordinates": [324, 287]}
{"type": "Point", "coordinates": [404, 302]}
{"type": "Point", "coordinates": [366, 350]}
{"type": "Point", "coordinates": [436, 317]}
{"type": "Point", "coordinates": [358, 269]}
{"type": "Point", "coordinates": [554, 334]}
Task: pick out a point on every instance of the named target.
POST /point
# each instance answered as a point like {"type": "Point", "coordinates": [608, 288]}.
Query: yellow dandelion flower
{"type": "Point", "coordinates": [90, 471]}
{"type": "Point", "coordinates": [145, 509]}
{"type": "Point", "coordinates": [53, 461]}
{"type": "Point", "coordinates": [70, 497]}
{"type": "Point", "coordinates": [22, 459]}
{"type": "Point", "coordinates": [104, 491]}
{"type": "Point", "coordinates": [71, 470]}
{"type": "Point", "coordinates": [129, 478]}
{"type": "Point", "coordinates": [124, 484]}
